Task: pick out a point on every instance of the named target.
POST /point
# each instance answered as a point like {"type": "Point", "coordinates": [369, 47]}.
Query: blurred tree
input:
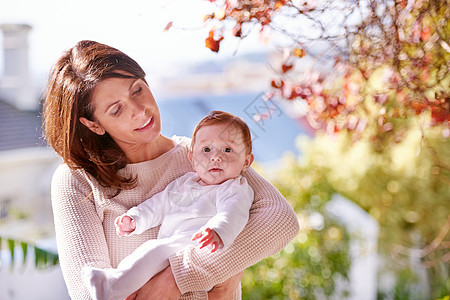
{"type": "Point", "coordinates": [390, 56]}
{"type": "Point", "coordinates": [405, 191]}
{"type": "Point", "coordinates": [316, 263]}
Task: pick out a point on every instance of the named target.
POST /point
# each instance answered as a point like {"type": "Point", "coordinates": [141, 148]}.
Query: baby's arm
{"type": "Point", "coordinates": [152, 211]}
{"type": "Point", "coordinates": [125, 225]}
{"type": "Point", "coordinates": [208, 237]}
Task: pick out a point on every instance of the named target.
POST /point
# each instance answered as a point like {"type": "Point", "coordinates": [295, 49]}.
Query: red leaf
{"type": "Point", "coordinates": [440, 111]}
{"type": "Point", "coordinates": [277, 84]}
{"type": "Point", "coordinates": [168, 26]}
{"type": "Point", "coordinates": [212, 43]}
{"type": "Point", "coordinates": [418, 106]}
{"type": "Point", "coordinates": [285, 67]}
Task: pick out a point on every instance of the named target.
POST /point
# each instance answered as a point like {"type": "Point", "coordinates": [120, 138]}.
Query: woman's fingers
{"type": "Point", "coordinates": [132, 296]}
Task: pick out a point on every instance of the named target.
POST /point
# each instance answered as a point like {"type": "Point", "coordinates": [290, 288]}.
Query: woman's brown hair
{"type": "Point", "coordinates": [71, 83]}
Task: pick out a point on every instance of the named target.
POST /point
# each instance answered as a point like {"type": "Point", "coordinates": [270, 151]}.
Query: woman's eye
{"type": "Point", "coordinates": [137, 91]}
{"type": "Point", "coordinates": [116, 110]}
{"type": "Point", "coordinates": [227, 150]}
{"type": "Point", "coordinates": [206, 149]}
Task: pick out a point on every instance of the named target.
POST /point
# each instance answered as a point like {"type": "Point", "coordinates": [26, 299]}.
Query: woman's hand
{"type": "Point", "coordinates": [226, 290]}
{"type": "Point", "coordinates": [161, 287]}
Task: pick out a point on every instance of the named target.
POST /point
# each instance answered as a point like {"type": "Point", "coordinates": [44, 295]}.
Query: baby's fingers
{"type": "Point", "coordinates": [197, 235]}
{"type": "Point", "coordinates": [205, 241]}
{"type": "Point", "coordinates": [215, 246]}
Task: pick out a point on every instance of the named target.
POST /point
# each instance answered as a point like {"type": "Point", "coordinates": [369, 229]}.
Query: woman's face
{"type": "Point", "coordinates": [126, 110]}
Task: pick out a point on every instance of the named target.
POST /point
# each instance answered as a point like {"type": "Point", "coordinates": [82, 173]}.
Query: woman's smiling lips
{"type": "Point", "coordinates": [145, 125]}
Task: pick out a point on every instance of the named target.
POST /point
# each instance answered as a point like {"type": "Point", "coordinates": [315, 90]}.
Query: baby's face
{"type": "Point", "coordinates": [219, 153]}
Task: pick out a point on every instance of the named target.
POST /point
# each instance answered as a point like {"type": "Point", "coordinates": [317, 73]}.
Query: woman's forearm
{"type": "Point", "coordinates": [79, 233]}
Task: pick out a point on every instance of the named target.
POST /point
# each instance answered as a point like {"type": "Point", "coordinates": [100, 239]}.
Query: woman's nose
{"type": "Point", "coordinates": [138, 110]}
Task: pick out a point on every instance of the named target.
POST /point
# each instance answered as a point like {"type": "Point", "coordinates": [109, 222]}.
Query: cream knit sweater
{"type": "Point", "coordinates": [85, 232]}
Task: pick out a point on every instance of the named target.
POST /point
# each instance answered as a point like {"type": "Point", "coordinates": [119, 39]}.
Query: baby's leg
{"type": "Point", "coordinates": [134, 270]}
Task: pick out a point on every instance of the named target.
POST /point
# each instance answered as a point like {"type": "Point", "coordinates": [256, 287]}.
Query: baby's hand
{"type": "Point", "coordinates": [208, 237]}
{"type": "Point", "coordinates": [124, 225]}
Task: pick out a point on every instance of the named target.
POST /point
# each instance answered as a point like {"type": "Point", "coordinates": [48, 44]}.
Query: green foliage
{"type": "Point", "coordinates": [319, 255]}
{"type": "Point", "coordinates": [309, 265]}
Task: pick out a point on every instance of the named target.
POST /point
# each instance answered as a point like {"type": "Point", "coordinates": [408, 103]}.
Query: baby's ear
{"type": "Point", "coordinates": [191, 159]}
{"type": "Point", "coordinates": [249, 158]}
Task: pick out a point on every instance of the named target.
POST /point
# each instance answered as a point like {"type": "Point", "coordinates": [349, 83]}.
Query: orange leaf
{"type": "Point", "coordinates": [280, 3]}
{"type": "Point", "coordinates": [168, 26]}
{"type": "Point", "coordinates": [299, 52]}
{"type": "Point", "coordinates": [212, 43]}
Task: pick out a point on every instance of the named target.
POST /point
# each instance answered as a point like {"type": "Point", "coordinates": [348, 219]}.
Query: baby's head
{"type": "Point", "coordinates": [221, 147]}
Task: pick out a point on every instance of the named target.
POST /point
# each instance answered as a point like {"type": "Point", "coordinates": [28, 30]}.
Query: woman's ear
{"type": "Point", "coordinates": [248, 162]}
{"type": "Point", "coordinates": [93, 126]}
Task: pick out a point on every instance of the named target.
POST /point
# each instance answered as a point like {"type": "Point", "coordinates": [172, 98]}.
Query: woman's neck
{"type": "Point", "coordinates": [149, 151]}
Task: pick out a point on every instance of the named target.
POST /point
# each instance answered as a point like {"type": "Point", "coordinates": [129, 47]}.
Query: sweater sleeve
{"type": "Point", "coordinates": [234, 199]}
{"type": "Point", "coordinates": [79, 231]}
{"type": "Point", "coordinates": [271, 226]}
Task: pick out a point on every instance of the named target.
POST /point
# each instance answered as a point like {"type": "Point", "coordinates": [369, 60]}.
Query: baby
{"type": "Point", "coordinates": [209, 207]}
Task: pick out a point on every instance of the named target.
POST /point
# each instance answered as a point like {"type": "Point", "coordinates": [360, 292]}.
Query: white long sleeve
{"type": "Point", "coordinates": [233, 201]}
{"type": "Point", "coordinates": [152, 211]}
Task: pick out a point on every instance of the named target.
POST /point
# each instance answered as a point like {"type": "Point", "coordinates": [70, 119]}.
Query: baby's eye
{"type": "Point", "coordinates": [206, 149]}
{"type": "Point", "coordinates": [227, 150]}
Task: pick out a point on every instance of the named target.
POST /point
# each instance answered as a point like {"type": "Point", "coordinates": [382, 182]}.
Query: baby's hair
{"type": "Point", "coordinates": [220, 117]}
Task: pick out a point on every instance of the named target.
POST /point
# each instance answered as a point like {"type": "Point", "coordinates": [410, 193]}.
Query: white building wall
{"type": "Point", "coordinates": [25, 177]}
{"type": "Point", "coordinates": [16, 86]}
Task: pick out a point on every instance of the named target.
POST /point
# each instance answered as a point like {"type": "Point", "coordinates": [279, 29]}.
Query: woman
{"type": "Point", "coordinates": [101, 118]}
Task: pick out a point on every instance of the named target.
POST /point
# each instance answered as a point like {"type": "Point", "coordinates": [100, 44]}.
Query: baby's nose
{"type": "Point", "coordinates": [216, 157]}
